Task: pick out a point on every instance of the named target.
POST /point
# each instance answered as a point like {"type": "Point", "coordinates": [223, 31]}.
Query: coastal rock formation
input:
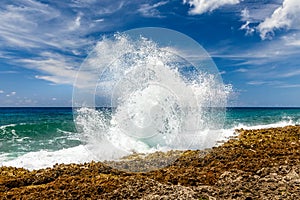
{"type": "Point", "coordinates": [256, 164]}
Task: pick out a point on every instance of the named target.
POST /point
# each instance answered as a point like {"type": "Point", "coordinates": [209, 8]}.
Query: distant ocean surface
{"type": "Point", "coordinates": [40, 137]}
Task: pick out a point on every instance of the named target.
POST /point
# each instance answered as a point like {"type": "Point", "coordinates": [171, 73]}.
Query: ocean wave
{"type": "Point", "coordinates": [44, 158]}
{"type": "Point", "coordinates": [288, 121]}
{"type": "Point", "coordinates": [162, 101]}
{"type": "Point", "coordinates": [3, 127]}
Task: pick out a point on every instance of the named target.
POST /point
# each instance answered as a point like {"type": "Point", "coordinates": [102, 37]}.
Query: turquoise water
{"type": "Point", "coordinates": [24, 130]}
{"type": "Point", "coordinates": [261, 116]}
{"type": "Point", "coordinates": [37, 133]}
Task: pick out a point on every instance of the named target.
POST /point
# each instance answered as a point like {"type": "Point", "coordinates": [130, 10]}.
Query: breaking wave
{"type": "Point", "coordinates": [145, 95]}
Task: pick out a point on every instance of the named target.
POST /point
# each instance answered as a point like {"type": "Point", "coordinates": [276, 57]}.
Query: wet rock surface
{"type": "Point", "coordinates": [256, 164]}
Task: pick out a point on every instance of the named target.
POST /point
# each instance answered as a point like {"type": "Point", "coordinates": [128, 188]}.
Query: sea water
{"type": "Point", "coordinates": [36, 138]}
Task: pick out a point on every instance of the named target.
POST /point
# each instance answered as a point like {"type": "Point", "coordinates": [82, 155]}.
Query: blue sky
{"type": "Point", "coordinates": [255, 44]}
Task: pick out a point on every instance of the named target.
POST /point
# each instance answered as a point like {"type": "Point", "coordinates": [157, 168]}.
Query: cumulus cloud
{"type": "Point", "coordinates": [284, 17]}
{"type": "Point", "coordinates": [1, 91]}
{"type": "Point", "coordinates": [202, 6]}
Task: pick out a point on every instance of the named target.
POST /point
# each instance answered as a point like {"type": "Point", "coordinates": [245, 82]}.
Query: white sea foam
{"type": "Point", "coordinates": [3, 127]}
{"type": "Point", "coordinates": [273, 125]}
{"type": "Point", "coordinates": [44, 159]}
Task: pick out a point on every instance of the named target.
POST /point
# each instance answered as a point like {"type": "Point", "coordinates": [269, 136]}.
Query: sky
{"type": "Point", "coordinates": [254, 43]}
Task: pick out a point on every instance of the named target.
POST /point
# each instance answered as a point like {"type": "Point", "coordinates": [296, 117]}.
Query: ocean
{"type": "Point", "coordinates": [36, 138]}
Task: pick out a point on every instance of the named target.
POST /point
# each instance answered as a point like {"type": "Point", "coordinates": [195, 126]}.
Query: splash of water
{"type": "Point", "coordinates": [157, 97]}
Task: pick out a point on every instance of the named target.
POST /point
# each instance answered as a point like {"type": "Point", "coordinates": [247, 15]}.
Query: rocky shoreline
{"type": "Point", "coordinates": [256, 164]}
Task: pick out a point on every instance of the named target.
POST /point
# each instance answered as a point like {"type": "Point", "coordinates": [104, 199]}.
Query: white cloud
{"type": "Point", "coordinates": [256, 82]}
{"type": "Point", "coordinates": [284, 17]}
{"type": "Point", "coordinates": [242, 70]}
{"type": "Point", "coordinates": [272, 83]}
{"type": "Point", "coordinates": [54, 99]}
{"type": "Point", "coordinates": [1, 91]}
{"type": "Point", "coordinates": [257, 14]}
{"type": "Point", "coordinates": [249, 30]}
{"type": "Point", "coordinates": [99, 20]}
{"type": "Point", "coordinates": [148, 10]}
{"type": "Point", "coordinates": [103, 7]}
{"type": "Point", "coordinates": [20, 20]}
{"type": "Point", "coordinates": [289, 86]}
{"type": "Point", "coordinates": [8, 72]}
{"type": "Point", "coordinates": [59, 69]}
{"type": "Point", "coordinates": [74, 25]}
{"type": "Point", "coordinates": [31, 26]}
{"type": "Point", "coordinates": [294, 43]}
{"type": "Point", "coordinates": [292, 40]}
{"type": "Point", "coordinates": [10, 94]}
{"type": "Point", "coordinates": [290, 74]}
{"type": "Point", "coordinates": [283, 51]}
{"type": "Point", "coordinates": [202, 6]}
{"type": "Point", "coordinates": [245, 14]}
{"type": "Point", "coordinates": [39, 29]}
